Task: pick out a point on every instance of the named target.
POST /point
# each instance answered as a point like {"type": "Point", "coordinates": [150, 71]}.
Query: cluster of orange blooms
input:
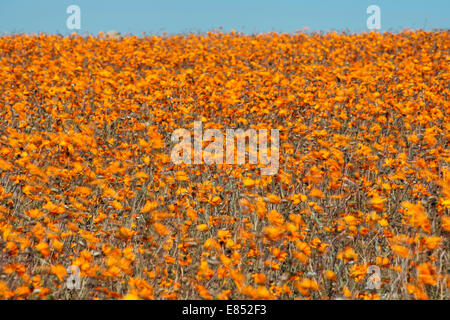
{"type": "Point", "coordinates": [86, 177]}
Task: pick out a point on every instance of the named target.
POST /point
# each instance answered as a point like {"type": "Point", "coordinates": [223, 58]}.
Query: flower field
{"type": "Point", "coordinates": [87, 181]}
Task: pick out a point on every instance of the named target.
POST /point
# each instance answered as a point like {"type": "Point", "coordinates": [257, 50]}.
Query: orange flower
{"type": "Point", "coordinates": [427, 274]}
{"type": "Point", "coordinates": [43, 249]}
{"type": "Point", "coordinates": [181, 176]}
{"type": "Point", "coordinates": [58, 245]}
{"type": "Point", "coordinates": [275, 218]}
{"type": "Point", "coordinates": [12, 249]}
{"type": "Point", "coordinates": [259, 278]}
{"type": "Point", "coordinates": [416, 216]}
{"type": "Point", "coordinates": [316, 193]}
{"type": "Point", "coordinates": [330, 275]}
{"type": "Point", "coordinates": [273, 233]}
{"type": "Point", "coordinates": [400, 250]}
{"type": "Point", "coordinates": [377, 203]}
{"type": "Point", "coordinates": [417, 292]}
{"type": "Point", "coordinates": [126, 233]}
{"type": "Point", "coordinates": [446, 223]}
{"type": "Point", "coordinates": [245, 206]}
{"type": "Point", "coordinates": [204, 272]}
{"type": "Point", "coordinates": [4, 291]}
{"type": "Point", "coordinates": [202, 227]}
{"type": "Point", "coordinates": [273, 198]}
{"type": "Point", "coordinates": [5, 165]}
{"type": "Point", "coordinates": [59, 271]}
{"type": "Point", "coordinates": [82, 191]}
{"type": "Point", "coordinates": [149, 205]}
{"type": "Point", "coordinates": [348, 254]}
{"type": "Point", "coordinates": [432, 243]}
{"type": "Point", "coordinates": [223, 235]}
{"type": "Point", "coordinates": [306, 285]}
{"type": "Point", "coordinates": [116, 205]}
{"type": "Point", "coordinates": [34, 213]}
{"type": "Point", "coordinates": [248, 182]}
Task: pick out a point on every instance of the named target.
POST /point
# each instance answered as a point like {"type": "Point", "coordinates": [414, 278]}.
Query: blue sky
{"type": "Point", "coordinates": [248, 16]}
